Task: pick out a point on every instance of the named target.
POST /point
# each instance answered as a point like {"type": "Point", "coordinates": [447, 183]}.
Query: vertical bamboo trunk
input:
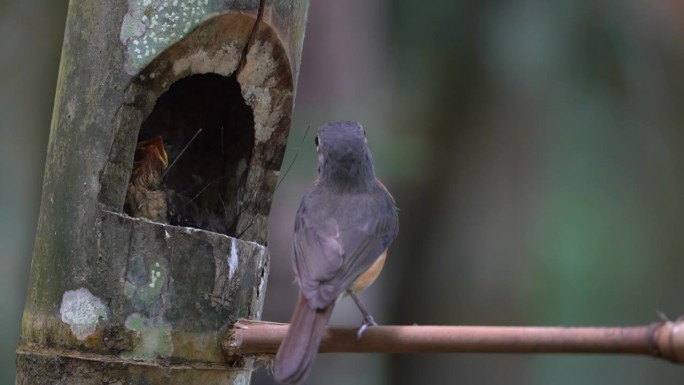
{"type": "Point", "coordinates": [115, 299]}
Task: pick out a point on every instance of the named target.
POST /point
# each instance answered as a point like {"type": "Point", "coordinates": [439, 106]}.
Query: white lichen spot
{"type": "Point", "coordinates": [154, 276]}
{"type": "Point", "coordinates": [160, 23]}
{"type": "Point", "coordinates": [166, 233]}
{"type": "Point", "coordinates": [233, 260]}
{"type": "Point", "coordinates": [82, 311]}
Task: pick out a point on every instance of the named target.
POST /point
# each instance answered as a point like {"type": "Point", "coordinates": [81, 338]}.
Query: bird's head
{"type": "Point", "coordinates": [151, 151]}
{"type": "Point", "coordinates": [344, 160]}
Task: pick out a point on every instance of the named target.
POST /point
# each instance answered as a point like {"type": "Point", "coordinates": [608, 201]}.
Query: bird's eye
{"type": "Point", "coordinates": [316, 141]}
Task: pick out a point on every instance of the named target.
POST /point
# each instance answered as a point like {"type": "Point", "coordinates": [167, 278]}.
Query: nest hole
{"type": "Point", "coordinates": [207, 130]}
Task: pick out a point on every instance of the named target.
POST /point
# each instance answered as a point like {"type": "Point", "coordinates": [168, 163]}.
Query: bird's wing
{"type": "Point", "coordinates": [329, 255]}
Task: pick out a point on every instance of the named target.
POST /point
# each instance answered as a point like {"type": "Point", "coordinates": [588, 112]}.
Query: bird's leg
{"type": "Point", "coordinates": [367, 317]}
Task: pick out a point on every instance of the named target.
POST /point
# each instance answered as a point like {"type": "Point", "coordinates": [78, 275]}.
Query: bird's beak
{"type": "Point", "coordinates": [155, 146]}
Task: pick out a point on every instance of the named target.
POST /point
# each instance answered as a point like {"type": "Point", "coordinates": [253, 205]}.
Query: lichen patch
{"type": "Point", "coordinates": [154, 337]}
{"type": "Point", "coordinates": [151, 26]}
{"type": "Point", "coordinates": [82, 311]}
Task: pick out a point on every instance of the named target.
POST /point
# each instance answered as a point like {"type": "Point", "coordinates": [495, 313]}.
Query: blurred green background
{"type": "Point", "coordinates": [534, 148]}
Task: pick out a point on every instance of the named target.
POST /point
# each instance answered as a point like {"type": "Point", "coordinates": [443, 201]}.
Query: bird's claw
{"type": "Point", "coordinates": [367, 321]}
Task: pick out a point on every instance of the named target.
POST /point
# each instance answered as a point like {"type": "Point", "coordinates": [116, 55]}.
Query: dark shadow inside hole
{"type": "Point", "coordinates": [203, 181]}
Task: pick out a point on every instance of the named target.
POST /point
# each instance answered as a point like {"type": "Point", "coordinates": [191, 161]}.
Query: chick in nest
{"type": "Point", "coordinates": [146, 197]}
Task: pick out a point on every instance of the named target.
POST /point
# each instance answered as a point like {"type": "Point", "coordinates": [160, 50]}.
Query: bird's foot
{"type": "Point", "coordinates": [367, 318]}
{"type": "Point", "coordinates": [367, 321]}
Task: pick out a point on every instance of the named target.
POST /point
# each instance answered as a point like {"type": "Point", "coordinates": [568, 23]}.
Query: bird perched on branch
{"type": "Point", "coordinates": [342, 230]}
{"type": "Point", "coordinates": [145, 197]}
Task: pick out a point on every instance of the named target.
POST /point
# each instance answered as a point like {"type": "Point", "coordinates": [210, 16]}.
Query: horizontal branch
{"type": "Point", "coordinates": [664, 339]}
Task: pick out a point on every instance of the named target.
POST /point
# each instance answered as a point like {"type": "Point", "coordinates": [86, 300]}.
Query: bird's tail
{"type": "Point", "coordinates": [298, 349]}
